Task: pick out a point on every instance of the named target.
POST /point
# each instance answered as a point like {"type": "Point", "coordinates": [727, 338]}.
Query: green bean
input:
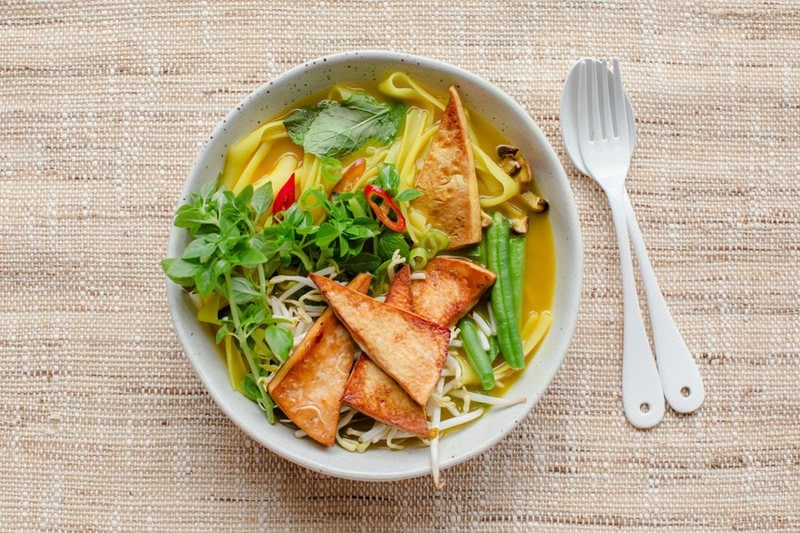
{"type": "Point", "coordinates": [494, 347]}
{"type": "Point", "coordinates": [516, 259]}
{"type": "Point", "coordinates": [478, 358]}
{"type": "Point", "coordinates": [498, 236]}
{"type": "Point", "coordinates": [482, 259]}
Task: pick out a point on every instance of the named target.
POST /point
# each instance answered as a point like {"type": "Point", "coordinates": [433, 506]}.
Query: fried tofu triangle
{"type": "Point", "coordinates": [450, 199]}
{"type": "Point", "coordinates": [373, 392]}
{"type": "Point", "coordinates": [409, 348]}
{"type": "Point", "coordinates": [399, 294]}
{"type": "Point", "coordinates": [308, 387]}
{"type": "Point", "coordinates": [450, 289]}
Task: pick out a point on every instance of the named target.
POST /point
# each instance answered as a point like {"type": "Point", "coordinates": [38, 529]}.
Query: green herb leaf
{"type": "Point", "coordinates": [300, 120]}
{"type": "Point", "coordinates": [407, 195]}
{"type": "Point", "coordinates": [200, 249]}
{"type": "Point", "coordinates": [262, 199]}
{"type": "Point", "coordinates": [242, 291]}
{"type": "Point", "coordinates": [180, 269]}
{"type": "Point", "coordinates": [388, 242]}
{"type": "Point", "coordinates": [334, 130]}
{"type": "Point", "coordinates": [388, 179]}
{"type": "Point", "coordinates": [249, 388]}
{"type": "Point", "coordinates": [279, 340]}
{"type": "Point", "coordinates": [363, 262]}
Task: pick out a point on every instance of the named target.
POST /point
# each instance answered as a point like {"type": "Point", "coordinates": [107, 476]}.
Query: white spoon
{"type": "Point", "coordinates": [681, 381]}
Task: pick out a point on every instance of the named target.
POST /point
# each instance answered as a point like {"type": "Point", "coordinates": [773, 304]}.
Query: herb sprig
{"type": "Point", "coordinates": [232, 255]}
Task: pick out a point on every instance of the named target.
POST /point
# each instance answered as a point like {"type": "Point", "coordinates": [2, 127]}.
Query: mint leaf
{"type": "Point", "coordinates": [363, 262]}
{"type": "Point", "coordinates": [388, 242]}
{"type": "Point", "coordinates": [334, 130]}
{"type": "Point", "coordinates": [300, 120]}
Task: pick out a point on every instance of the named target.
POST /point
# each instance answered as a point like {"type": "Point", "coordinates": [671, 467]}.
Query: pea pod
{"type": "Point", "coordinates": [478, 359]}
{"type": "Point", "coordinates": [498, 236]}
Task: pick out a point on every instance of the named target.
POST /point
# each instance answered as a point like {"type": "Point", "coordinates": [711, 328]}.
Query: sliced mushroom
{"type": "Point", "coordinates": [511, 166]}
{"type": "Point", "coordinates": [531, 202]}
{"type": "Point", "coordinates": [506, 150]}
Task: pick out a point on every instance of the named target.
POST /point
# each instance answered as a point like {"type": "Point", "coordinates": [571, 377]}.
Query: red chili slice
{"type": "Point", "coordinates": [385, 208]}
{"type": "Point", "coordinates": [285, 197]}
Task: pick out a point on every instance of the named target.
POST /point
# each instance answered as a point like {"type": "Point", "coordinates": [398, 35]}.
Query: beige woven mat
{"type": "Point", "coordinates": [103, 424]}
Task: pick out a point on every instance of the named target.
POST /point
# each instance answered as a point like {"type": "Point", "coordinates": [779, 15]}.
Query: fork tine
{"type": "Point", "coordinates": [594, 102]}
{"type": "Point", "coordinates": [584, 128]}
{"type": "Point", "coordinates": [620, 109]}
{"type": "Point", "coordinates": [605, 103]}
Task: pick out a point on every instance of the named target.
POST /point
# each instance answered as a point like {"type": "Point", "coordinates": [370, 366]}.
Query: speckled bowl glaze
{"type": "Point", "coordinates": [509, 118]}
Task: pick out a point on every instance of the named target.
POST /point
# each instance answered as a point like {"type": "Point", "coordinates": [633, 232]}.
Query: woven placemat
{"type": "Point", "coordinates": [104, 425]}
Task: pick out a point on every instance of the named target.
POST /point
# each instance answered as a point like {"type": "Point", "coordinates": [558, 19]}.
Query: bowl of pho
{"type": "Point", "coordinates": [375, 266]}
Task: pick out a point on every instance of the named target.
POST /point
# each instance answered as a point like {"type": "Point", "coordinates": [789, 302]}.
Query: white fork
{"type": "Point", "coordinates": [604, 140]}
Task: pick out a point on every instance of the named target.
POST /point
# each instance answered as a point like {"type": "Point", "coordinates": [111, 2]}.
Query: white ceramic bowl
{"type": "Point", "coordinates": [515, 123]}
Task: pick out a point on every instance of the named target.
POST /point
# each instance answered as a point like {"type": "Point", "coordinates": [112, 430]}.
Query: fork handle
{"type": "Point", "coordinates": [642, 395]}
{"type": "Point", "coordinates": [683, 386]}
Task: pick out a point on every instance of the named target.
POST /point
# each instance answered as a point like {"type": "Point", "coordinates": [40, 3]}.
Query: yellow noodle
{"type": "Point", "coordinates": [538, 332]}
{"type": "Point", "coordinates": [284, 166]}
{"type": "Point", "coordinates": [241, 151]}
{"type": "Point", "coordinates": [409, 171]}
{"type": "Point", "coordinates": [256, 160]}
{"type": "Point", "coordinates": [339, 92]}
{"type": "Point", "coordinates": [488, 168]}
{"type": "Point", "coordinates": [400, 86]}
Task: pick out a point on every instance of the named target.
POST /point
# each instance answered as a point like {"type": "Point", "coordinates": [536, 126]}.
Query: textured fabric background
{"type": "Point", "coordinates": [103, 424]}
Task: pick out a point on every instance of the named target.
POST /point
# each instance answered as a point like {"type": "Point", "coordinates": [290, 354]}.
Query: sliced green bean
{"type": "Point", "coordinates": [478, 358]}
{"type": "Point", "coordinates": [516, 260]}
{"type": "Point", "coordinates": [508, 336]}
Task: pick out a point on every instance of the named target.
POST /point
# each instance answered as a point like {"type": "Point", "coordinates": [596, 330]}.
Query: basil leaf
{"type": "Point", "coordinates": [249, 388]}
{"type": "Point", "coordinates": [279, 340]}
{"type": "Point", "coordinates": [262, 199]}
{"type": "Point", "coordinates": [388, 179]}
{"type": "Point", "coordinates": [200, 249]}
{"type": "Point", "coordinates": [242, 290]}
{"type": "Point", "coordinates": [179, 268]}
{"type": "Point", "coordinates": [408, 195]}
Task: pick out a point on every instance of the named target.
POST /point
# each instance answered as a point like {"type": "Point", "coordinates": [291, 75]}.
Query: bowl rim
{"type": "Point", "coordinates": [566, 324]}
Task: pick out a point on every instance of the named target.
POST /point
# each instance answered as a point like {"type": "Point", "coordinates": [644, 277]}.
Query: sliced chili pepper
{"type": "Point", "coordinates": [385, 208]}
{"type": "Point", "coordinates": [285, 197]}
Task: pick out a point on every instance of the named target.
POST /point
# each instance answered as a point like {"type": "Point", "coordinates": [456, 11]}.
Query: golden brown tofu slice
{"type": "Point", "coordinates": [406, 346]}
{"type": "Point", "coordinates": [450, 289]}
{"type": "Point", "coordinates": [450, 200]}
{"type": "Point", "coordinates": [308, 387]}
{"type": "Point", "coordinates": [373, 392]}
{"type": "Point", "coordinates": [399, 294]}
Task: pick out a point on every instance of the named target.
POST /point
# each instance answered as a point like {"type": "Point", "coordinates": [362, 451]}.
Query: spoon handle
{"type": "Point", "coordinates": [642, 396]}
{"type": "Point", "coordinates": [683, 386]}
